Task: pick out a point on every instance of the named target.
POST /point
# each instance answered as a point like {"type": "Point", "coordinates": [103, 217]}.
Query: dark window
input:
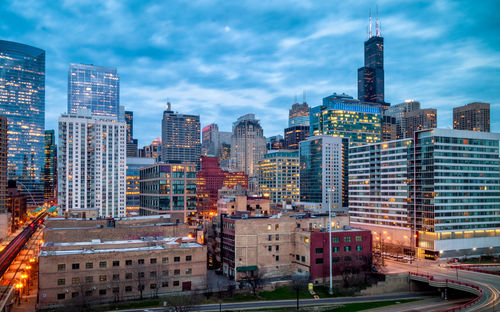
{"type": "Point", "coordinates": [140, 261]}
{"type": "Point", "coordinates": [164, 260]}
{"type": "Point", "coordinates": [61, 296]}
{"type": "Point", "coordinates": [164, 273]}
{"type": "Point", "coordinates": [152, 286]}
{"type": "Point", "coordinates": [61, 267]}
{"type": "Point", "coordinates": [188, 258]}
{"type": "Point", "coordinates": [116, 263]}
{"type": "Point", "coordinates": [335, 259]}
{"type": "Point", "coordinates": [116, 290]}
{"type": "Point", "coordinates": [75, 266]}
{"type": "Point", "coordinates": [152, 274]}
{"type": "Point", "coordinates": [128, 275]}
{"type": "Point", "coordinates": [128, 262]}
{"type": "Point", "coordinates": [89, 265]}
{"type": "Point", "coordinates": [277, 237]}
{"type": "Point", "coordinates": [269, 248]}
{"type": "Point", "coordinates": [75, 294]}
{"type": "Point", "coordinates": [152, 260]}
{"type": "Point", "coordinates": [128, 288]}
{"type": "Point", "coordinates": [176, 283]}
{"type": "Point", "coordinates": [102, 292]}
{"type": "Point", "coordinates": [303, 258]}
{"type": "Point", "coordinates": [61, 281]}
{"type": "Point", "coordinates": [177, 272]}
{"type": "Point", "coordinates": [177, 259]}
{"type": "Point", "coordinates": [319, 260]}
{"type": "Point", "coordinates": [269, 237]}
{"type": "Point", "coordinates": [88, 293]}
{"type": "Point", "coordinates": [277, 258]}
{"type": "Point", "coordinates": [102, 264]}
{"type": "Point", "coordinates": [297, 257]}
{"type": "Point", "coordinates": [164, 284]}
{"type": "Point", "coordinates": [319, 250]}
{"type": "Point", "coordinates": [140, 274]}
{"type": "Point", "coordinates": [116, 277]}
{"type": "Point", "coordinates": [89, 279]}
{"type": "Point", "coordinates": [277, 247]}
{"type": "Point", "coordinates": [189, 271]}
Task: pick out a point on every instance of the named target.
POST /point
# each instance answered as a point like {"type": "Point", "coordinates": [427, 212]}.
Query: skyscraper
{"type": "Point", "coordinates": [341, 115]}
{"type": "Point", "coordinates": [134, 164]}
{"type": "Point", "coordinates": [399, 112]}
{"type": "Point", "coordinates": [50, 166]}
{"type": "Point", "coordinates": [180, 136]}
{"type": "Point", "coordinates": [474, 117]}
{"type": "Point", "coordinates": [298, 115]}
{"type": "Point", "coordinates": [248, 144]}
{"type": "Point", "coordinates": [295, 134]}
{"type": "Point", "coordinates": [22, 101]}
{"type": "Point", "coordinates": [210, 140]}
{"type": "Point", "coordinates": [324, 173]}
{"type": "Point", "coordinates": [96, 88]}
{"type": "Point", "coordinates": [371, 76]}
{"type": "Point", "coordinates": [420, 119]}
{"type": "Point", "coordinates": [3, 164]}
{"type": "Point", "coordinates": [91, 164]}
{"type": "Point", "coordinates": [131, 142]}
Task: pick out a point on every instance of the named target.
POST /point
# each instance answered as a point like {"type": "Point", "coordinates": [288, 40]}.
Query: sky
{"type": "Point", "coordinates": [223, 59]}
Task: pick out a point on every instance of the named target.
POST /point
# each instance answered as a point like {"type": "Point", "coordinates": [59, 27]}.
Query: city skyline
{"type": "Point", "coordinates": [443, 55]}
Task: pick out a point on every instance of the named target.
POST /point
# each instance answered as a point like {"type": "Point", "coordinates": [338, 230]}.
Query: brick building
{"type": "Point", "coordinates": [125, 259]}
{"type": "Point", "coordinates": [209, 180]}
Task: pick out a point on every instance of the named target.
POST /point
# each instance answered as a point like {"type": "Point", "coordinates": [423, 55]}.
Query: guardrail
{"type": "Point", "coordinates": [435, 282]}
{"type": "Point", "coordinates": [473, 268]}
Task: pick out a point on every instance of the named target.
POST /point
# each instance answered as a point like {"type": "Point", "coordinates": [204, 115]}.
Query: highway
{"type": "Point", "coordinates": [489, 283]}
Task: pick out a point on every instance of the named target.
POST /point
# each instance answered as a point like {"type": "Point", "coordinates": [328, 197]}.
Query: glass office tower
{"type": "Point", "coordinates": [22, 101]}
{"type": "Point", "coordinates": [96, 88]}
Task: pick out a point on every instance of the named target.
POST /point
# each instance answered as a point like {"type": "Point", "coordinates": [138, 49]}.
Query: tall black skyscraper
{"type": "Point", "coordinates": [371, 76]}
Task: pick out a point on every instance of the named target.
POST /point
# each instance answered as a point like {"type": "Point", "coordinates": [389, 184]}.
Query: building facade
{"type": "Point", "coordinates": [134, 164]}
{"type": "Point", "coordinates": [342, 116]}
{"type": "Point", "coordinates": [278, 175]}
{"type": "Point", "coordinates": [91, 164]}
{"type": "Point", "coordinates": [421, 119]}
{"type": "Point", "coordinates": [95, 88]}
{"type": "Point", "coordinates": [168, 187]}
{"type": "Point", "coordinates": [180, 136]}
{"type": "Point", "coordinates": [324, 173]}
{"type": "Point", "coordinates": [152, 151]}
{"type": "Point", "coordinates": [50, 166]}
{"type": "Point", "coordinates": [131, 142]}
{"type": "Point", "coordinates": [295, 134]}
{"type": "Point", "coordinates": [210, 140]}
{"type": "Point", "coordinates": [22, 101]}
{"type": "Point", "coordinates": [298, 115]}
{"type": "Point", "coordinates": [3, 164]}
{"type": "Point", "coordinates": [399, 112]}
{"type": "Point", "coordinates": [248, 144]}
{"type": "Point", "coordinates": [473, 117]}
{"type": "Point", "coordinates": [209, 180]}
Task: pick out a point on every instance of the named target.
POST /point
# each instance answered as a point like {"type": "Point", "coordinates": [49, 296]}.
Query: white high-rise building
{"type": "Point", "coordinates": [91, 164]}
{"type": "Point", "coordinates": [248, 144]}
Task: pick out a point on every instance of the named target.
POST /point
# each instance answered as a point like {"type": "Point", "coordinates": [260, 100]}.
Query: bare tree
{"type": "Point", "coordinates": [182, 303]}
{"type": "Point", "coordinates": [253, 279]}
{"type": "Point", "coordinates": [299, 282]}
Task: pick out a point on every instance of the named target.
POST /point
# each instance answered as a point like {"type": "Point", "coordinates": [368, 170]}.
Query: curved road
{"type": "Point", "coordinates": [489, 283]}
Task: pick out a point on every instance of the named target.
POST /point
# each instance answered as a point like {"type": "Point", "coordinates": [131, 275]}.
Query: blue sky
{"type": "Point", "coordinates": [224, 59]}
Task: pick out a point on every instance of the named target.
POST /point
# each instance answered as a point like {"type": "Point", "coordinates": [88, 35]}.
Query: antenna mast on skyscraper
{"type": "Point", "coordinates": [370, 32]}
{"type": "Point", "coordinates": [377, 29]}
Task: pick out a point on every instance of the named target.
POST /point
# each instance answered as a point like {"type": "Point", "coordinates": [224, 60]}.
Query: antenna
{"type": "Point", "coordinates": [370, 32]}
{"type": "Point", "coordinates": [377, 29]}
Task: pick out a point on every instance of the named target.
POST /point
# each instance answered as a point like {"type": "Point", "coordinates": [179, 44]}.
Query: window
{"type": "Point", "coordinates": [152, 286]}
{"type": "Point", "coordinates": [116, 277]}
{"type": "Point", "coordinates": [164, 273]}
{"type": "Point", "coordinates": [89, 279]}
{"type": "Point", "coordinates": [88, 293]}
{"type": "Point", "coordinates": [269, 248]}
{"type": "Point", "coordinates": [102, 278]}
{"type": "Point", "coordinates": [359, 248]}
{"type": "Point", "coordinates": [269, 237]}
{"type": "Point", "coordinates": [128, 275]}
{"type": "Point", "coordinates": [188, 258]}
{"type": "Point", "coordinates": [61, 296]}
{"type": "Point", "coordinates": [335, 239]}
{"type": "Point", "coordinates": [141, 274]}
{"type": "Point", "coordinates": [336, 249]}
{"type": "Point", "coordinates": [319, 250]}
{"type": "Point", "coordinates": [277, 258]}
{"type": "Point", "coordinates": [335, 259]}
{"type": "Point", "coordinates": [347, 248]}
{"type": "Point", "coordinates": [128, 288]}
{"type": "Point", "coordinates": [116, 290]}
{"type": "Point", "coordinates": [75, 294]}
{"type": "Point", "coordinates": [177, 259]}
{"type": "Point", "coordinates": [303, 259]}
{"type": "Point", "coordinates": [102, 264]}
{"type": "Point", "coordinates": [164, 284]}
{"type": "Point", "coordinates": [116, 263]}
{"type": "Point", "coordinates": [176, 283]}
{"type": "Point", "coordinates": [152, 261]}
{"type": "Point", "coordinates": [277, 247]}
{"type": "Point", "coordinates": [177, 272]}
{"type": "Point", "coordinates": [128, 262]}
{"type": "Point", "coordinates": [61, 267]}
{"type": "Point", "coordinates": [75, 266]}
{"type": "Point", "coordinates": [164, 260]}
{"type": "Point", "coordinates": [297, 257]}
{"type": "Point", "coordinates": [269, 227]}
{"type": "Point", "coordinates": [152, 274]}
{"type": "Point", "coordinates": [75, 280]}
{"type": "Point", "coordinates": [319, 260]}
{"type": "Point", "coordinates": [277, 237]}
{"type": "Point", "coordinates": [89, 265]}
{"type": "Point", "coordinates": [140, 261]}
{"type": "Point", "coordinates": [61, 281]}
{"type": "Point", "coordinates": [102, 292]}
{"type": "Point", "coordinates": [276, 227]}
{"type": "Point", "coordinates": [347, 239]}
{"type": "Point", "coordinates": [359, 238]}
{"type": "Point", "coordinates": [189, 271]}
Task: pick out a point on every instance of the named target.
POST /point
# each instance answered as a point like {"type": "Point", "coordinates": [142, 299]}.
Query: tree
{"type": "Point", "coordinates": [299, 282]}
{"type": "Point", "coordinates": [253, 279]}
{"type": "Point", "coordinates": [181, 303]}
{"type": "Point", "coordinates": [346, 275]}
